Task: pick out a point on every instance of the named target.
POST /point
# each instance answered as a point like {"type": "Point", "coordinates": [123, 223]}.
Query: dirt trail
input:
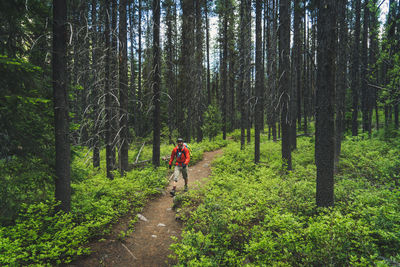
{"type": "Point", "coordinates": [148, 244]}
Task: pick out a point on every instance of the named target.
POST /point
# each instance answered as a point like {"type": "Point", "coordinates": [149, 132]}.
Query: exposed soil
{"type": "Point", "coordinates": [148, 244]}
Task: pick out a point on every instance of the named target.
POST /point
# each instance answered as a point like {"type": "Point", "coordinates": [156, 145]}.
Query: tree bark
{"type": "Point", "coordinates": [244, 72]}
{"type": "Point", "coordinates": [341, 79]}
{"type": "Point", "coordinates": [60, 96]}
{"type": "Point", "coordinates": [123, 87]}
{"type": "Point", "coordinates": [199, 72]}
{"type": "Point", "coordinates": [208, 53]}
{"type": "Point", "coordinates": [156, 83]}
{"type": "Point", "coordinates": [284, 82]}
{"type": "Point", "coordinates": [96, 88]}
{"type": "Point", "coordinates": [224, 67]}
{"type": "Point", "coordinates": [107, 92]}
{"type": "Point", "coordinates": [258, 89]}
{"type": "Point", "coordinates": [355, 65]}
{"type": "Point", "coordinates": [365, 95]}
{"type": "Point", "coordinates": [324, 132]}
{"type": "Point", "coordinates": [139, 82]}
{"type": "Point", "coordinates": [296, 105]}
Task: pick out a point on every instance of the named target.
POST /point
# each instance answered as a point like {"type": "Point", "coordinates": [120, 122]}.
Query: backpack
{"type": "Point", "coordinates": [188, 148]}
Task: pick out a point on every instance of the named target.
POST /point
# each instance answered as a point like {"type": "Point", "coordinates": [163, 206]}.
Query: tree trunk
{"type": "Point", "coordinates": [355, 65]}
{"type": "Point", "coordinates": [139, 92]}
{"type": "Point", "coordinates": [60, 96]}
{"type": "Point", "coordinates": [114, 82]}
{"type": "Point", "coordinates": [341, 79]}
{"type": "Point", "coordinates": [374, 50]}
{"type": "Point", "coordinates": [123, 87]}
{"type": "Point", "coordinates": [96, 88]}
{"type": "Point", "coordinates": [245, 21]}
{"type": "Point", "coordinates": [156, 83]}
{"type": "Point", "coordinates": [132, 87]}
{"type": "Point", "coordinates": [305, 72]}
{"type": "Point", "coordinates": [199, 72]}
{"type": "Point", "coordinates": [170, 59]}
{"type": "Point", "coordinates": [107, 92]}
{"type": "Point", "coordinates": [208, 53]}
{"type": "Point", "coordinates": [296, 91]}
{"type": "Point", "coordinates": [325, 129]}
{"type": "Point", "coordinates": [258, 89]}
{"type": "Point", "coordinates": [365, 72]}
{"type": "Point", "coordinates": [224, 74]}
{"type": "Point", "coordinates": [284, 82]}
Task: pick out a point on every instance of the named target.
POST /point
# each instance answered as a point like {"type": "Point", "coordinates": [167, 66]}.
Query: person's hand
{"type": "Point", "coordinates": [183, 165]}
{"type": "Point", "coordinates": [170, 166]}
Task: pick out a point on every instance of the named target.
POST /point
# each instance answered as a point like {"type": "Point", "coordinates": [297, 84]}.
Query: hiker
{"type": "Point", "coordinates": [181, 152]}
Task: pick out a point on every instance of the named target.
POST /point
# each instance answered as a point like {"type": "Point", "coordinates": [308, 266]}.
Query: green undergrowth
{"type": "Point", "coordinates": [250, 215]}
{"type": "Point", "coordinates": [39, 237]}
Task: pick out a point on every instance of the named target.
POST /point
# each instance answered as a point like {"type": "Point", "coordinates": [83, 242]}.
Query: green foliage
{"type": "Point", "coordinates": [38, 236]}
{"type": "Point", "coordinates": [41, 237]}
{"type": "Point", "coordinates": [25, 111]}
{"type": "Point", "coordinates": [212, 122]}
{"type": "Point", "coordinates": [254, 215]}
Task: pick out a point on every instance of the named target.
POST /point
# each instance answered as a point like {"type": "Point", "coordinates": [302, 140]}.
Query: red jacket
{"type": "Point", "coordinates": [182, 156]}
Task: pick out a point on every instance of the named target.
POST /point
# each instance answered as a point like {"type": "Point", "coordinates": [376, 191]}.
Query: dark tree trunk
{"type": "Point", "coordinates": [365, 95]}
{"type": "Point", "coordinates": [325, 128]}
{"type": "Point", "coordinates": [96, 88]}
{"type": "Point", "coordinates": [60, 96]}
{"type": "Point", "coordinates": [139, 92]}
{"type": "Point", "coordinates": [132, 87]}
{"type": "Point", "coordinates": [123, 87]}
{"type": "Point", "coordinates": [245, 21]}
{"type": "Point", "coordinates": [247, 71]}
{"type": "Point", "coordinates": [208, 53]}
{"type": "Point", "coordinates": [224, 73]}
{"type": "Point", "coordinates": [156, 83]}
{"type": "Point", "coordinates": [258, 89]}
{"type": "Point", "coordinates": [273, 72]}
{"type": "Point", "coordinates": [170, 59]}
{"type": "Point", "coordinates": [373, 52]}
{"type": "Point", "coordinates": [355, 73]}
{"type": "Point", "coordinates": [284, 81]}
{"type": "Point", "coordinates": [114, 82]}
{"type": "Point", "coordinates": [186, 64]}
{"type": "Point", "coordinates": [296, 105]}
{"type": "Point", "coordinates": [341, 78]}
{"type": "Point", "coordinates": [305, 72]}
{"type": "Point", "coordinates": [199, 72]}
{"type": "Point", "coordinates": [107, 92]}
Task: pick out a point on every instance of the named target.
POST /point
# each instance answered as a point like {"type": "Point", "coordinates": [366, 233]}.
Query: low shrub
{"type": "Point", "coordinates": [37, 236]}
{"type": "Point", "coordinates": [255, 215]}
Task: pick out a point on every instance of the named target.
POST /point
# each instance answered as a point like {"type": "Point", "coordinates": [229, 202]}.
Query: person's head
{"type": "Point", "coordinates": [180, 142]}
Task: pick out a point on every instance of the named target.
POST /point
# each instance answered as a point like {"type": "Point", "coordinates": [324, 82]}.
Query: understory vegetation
{"type": "Point", "coordinates": [35, 235]}
{"type": "Point", "coordinates": [256, 215]}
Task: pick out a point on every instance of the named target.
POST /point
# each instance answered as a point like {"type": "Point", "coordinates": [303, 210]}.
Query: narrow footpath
{"type": "Point", "coordinates": [148, 244]}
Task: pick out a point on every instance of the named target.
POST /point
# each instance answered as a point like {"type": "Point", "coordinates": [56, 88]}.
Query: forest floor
{"type": "Point", "coordinates": [148, 244]}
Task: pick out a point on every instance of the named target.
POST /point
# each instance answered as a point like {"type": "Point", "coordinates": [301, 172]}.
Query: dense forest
{"type": "Point", "coordinates": [303, 95]}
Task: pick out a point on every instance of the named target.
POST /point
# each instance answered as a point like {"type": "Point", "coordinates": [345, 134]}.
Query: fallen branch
{"type": "Point", "coordinates": [140, 150]}
{"type": "Point", "coordinates": [130, 252]}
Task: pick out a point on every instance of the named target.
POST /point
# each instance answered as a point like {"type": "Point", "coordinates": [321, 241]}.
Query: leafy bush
{"type": "Point", "coordinates": [212, 122]}
{"type": "Point", "coordinates": [38, 236]}
{"type": "Point", "coordinates": [253, 215]}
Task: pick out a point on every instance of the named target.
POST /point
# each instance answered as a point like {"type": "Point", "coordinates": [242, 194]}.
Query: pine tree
{"type": "Point", "coordinates": [324, 126]}
{"type": "Point", "coordinates": [59, 64]}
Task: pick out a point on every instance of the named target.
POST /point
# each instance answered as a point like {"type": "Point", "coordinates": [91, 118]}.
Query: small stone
{"type": "Point", "coordinates": [161, 225]}
{"type": "Point", "coordinates": [205, 165]}
{"type": "Point", "coordinates": [153, 236]}
{"type": "Point", "coordinates": [141, 217]}
{"type": "Point", "coordinates": [169, 209]}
